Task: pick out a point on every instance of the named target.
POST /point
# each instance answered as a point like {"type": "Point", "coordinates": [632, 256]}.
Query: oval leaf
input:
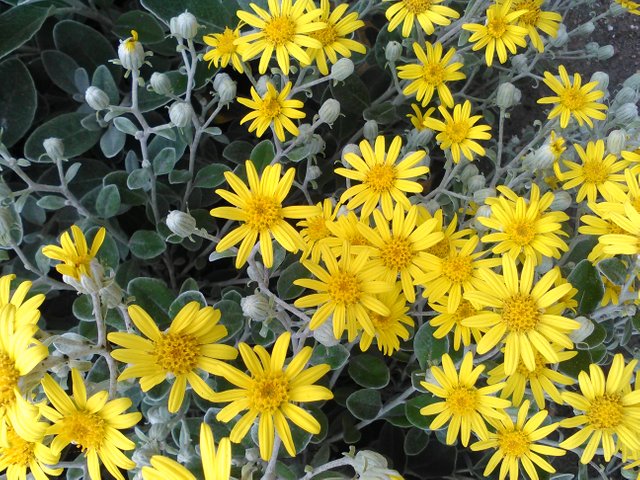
{"type": "Point", "coordinates": [18, 100]}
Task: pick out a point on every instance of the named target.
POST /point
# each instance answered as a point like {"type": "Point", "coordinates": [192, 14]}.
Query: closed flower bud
{"type": "Point", "coordinates": [96, 98]}
{"type": "Point", "coordinates": [393, 51]}
{"type": "Point", "coordinates": [632, 82]}
{"type": "Point", "coordinates": [256, 307]}
{"type": "Point", "coordinates": [616, 141]}
{"type": "Point", "coordinates": [111, 295]}
{"type": "Point", "coordinates": [419, 138]}
{"type": "Point", "coordinates": [349, 148]}
{"type": "Point", "coordinates": [315, 145]}
{"type": "Point", "coordinates": [626, 95]}
{"type": "Point", "coordinates": [181, 223]}
{"type": "Point", "coordinates": [304, 132]}
{"type": "Point", "coordinates": [313, 172]}
{"type": "Point", "coordinates": [479, 196]}
{"type": "Point", "coordinates": [161, 84]}
{"type": "Point", "coordinates": [261, 86]}
{"type": "Point", "coordinates": [592, 48]}
{"type": "Point", "coordinates": [561, 38]}
{"type": "Point", "coordinates": [370, 130]}
{"type": "Point", "coordinates": [616, 9]}
{"type": "Point", "coordinates": [561, 201]}
{"type": "Point", "coordinates": [368, 460]}
{"type": "Point", "coordinates": [469, 171]}
{"type": "Point", "coordinates": [543, 158]}
{"type": "Point", "coordinates": [324, 335]}
{"type": "Point", "coordinates": [626, 113]}
{"type": "Point", "coordinates": [184, 26]}
{"type": "Point", "coordinates": [507, 95]}
{"type": "Point", "coordinates": [342, 69]}
{"type": "Point", "coordinates": [180, 114]}
{"type": "Point", "coordinates": [586, 28]}
{"type": "Point", "coordinates": [606, 52]}
{"type": "Point", "coordinates": [223, 77]}
{"type": "Point", "coordinates": [584, 330]}
{"type": "Point", "coordinates": [54, 148]}
{"type": "Point", "coordinates": [603, 80]}
{"type": "Point", "coordinates": [482, 212]}
{"type": "Point", "coordinates": [329, 111]}
{"type": "Point", "coordinates": [131, 53]}
{"type": "Point", "coordinates": [476, 183]}
{"type": "Point", "coordinates": [226, 89]}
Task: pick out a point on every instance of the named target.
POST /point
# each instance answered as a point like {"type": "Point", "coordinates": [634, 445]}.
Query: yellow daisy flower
{"type": "Point", "coordinates": [74, 254]}
{"type": "Point", "coordinates": [632, 182]}
{"type": "Point", "coordinates": [417, 117]}
{"type": "Point", "coordinates": [27, 311]}
{"type": "Point", "coordinates": [259, 208]}
{"type": "Point", "coordinates": [556, 144]}
{"type": "Point", "coordinates": [224, 49]}
{"type": "Point", "coordinates": [452, 236]}
{"type": "Point", "coordinates": [516, 445]}
{"type": "Point", "coordinates": [609, 411]}
{"type": "Point", "coordinates": [285, 29]}
{"type": "Point", "coordinates": [573, 99]}
{"type": "Point", "coordinates": [271, 393]}
{"type": "Point", "coordinates": [427, 12]}
{"type": "Point", "coordinates": [536, 19]}
{"type": "Point", "coordinates": [458, 131]}
{"type": "Point", "coordinates": [314, 229]}
{"type": "Point", "coordinates": [93, 424]}
{"type": "Point", "coordinates": [274, 109]}
{"type": "Point", "coordinates": [451, 319]}
{"type": "Point", "coordinates": [383, 180]}
{"type": "Point", "coordinates": [216, 465]}
{"type": "Point", "coordinates": [520, 319]}
{"type": "Point", "coordinates": [465, 407]}
{"type": "Point", "coordinates": [188, 345]}
{"type": "Point", "coordinates": [628, 242]}
{"type": "Point", "coordinates": [499, 33]}
{"type": "Point", "coordinates": [345, 229]}
{"type": "Point", "coordinates": [598, 226]}
{"type": "Point", "coordinates": [333, 36]}
{"type": "Point", "coordinates": [345, 290]}
{"type": "Point", "coordinates": [431, 74]}
{"type": "Point", "coordinates": [631, 6]}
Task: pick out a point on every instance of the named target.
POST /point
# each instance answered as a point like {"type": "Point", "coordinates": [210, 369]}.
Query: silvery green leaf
{"type": "Point", "coordinates": [125, 125]}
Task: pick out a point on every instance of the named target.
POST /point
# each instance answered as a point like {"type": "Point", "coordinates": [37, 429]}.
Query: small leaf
{"type": "Point", "coordinates": [179, 176]}
{"type": "Point", "coordinates": [427, 348]}
{"type": "Point", "coordinates": [237, 151]}
{"type": "Point", "coordinates": [112, 142]}
{"type": "Point", "coordinates": [164, 161]}
{"type": "Point", "coordinates": [586, 279]}
{"type": "Point", "coordinates": [103, 79]}
{"type": "Point", "coordinates": [412, 410]}
{"type": "Point", "coordinates": [108, 201]}
{"type": "Point", "coordinates": [60, 67]}
{"type": "Point", "coordinates": [614, 269]}
{"type": "Point", "coordinates": [139, 178]}
{"type": "Point", "coordinates": [72, 171]}
{"type": "Point", "coordinates": [153, 296]}
{"type": "Point", "coordinates": [369, 371]}
{"type": "Point", "coordinates": [146, 244]}
{"type": "Point", "coordinates": [262, 154]}
{"type": "Point", "coordinates": [286, 289]}
{"type": "Point", "coordinates": [18, 100]}
{"type": "Point", "coordinates": [336, 356]}
{"type": "Point", "coordinates": [383, 113]}
{"type": "Point", "coordinates": [365, 404]}
{"type": "Point", "coordinates": [52, 202]}
{"type": "Point", "coordinates": [148, 28]}
{"type": "Point", "coordinates": [232, 316]}
{"type": "Point", "coordinates": [86, 45]}
{"type": "Point", "coordinates": [210, 176]}
{"type": "Point", "coordinates": [183, 299]}
{"type": "Point", "coordinates": [18, 25]}
{"type": "Point", "coordinates": [125, 125]}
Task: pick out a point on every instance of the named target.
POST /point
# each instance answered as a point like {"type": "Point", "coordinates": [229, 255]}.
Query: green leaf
{"type": "Point", "coordinates": [352, 94]}
{"type": "Point", "coordinates": [164, 161]}
{"type": "Point", "coordinates": [183, 299]}
{"type": "Point", "coordinates": [614, 269]}
{"type": "Point", "coordinates": [286, 289]}
{"type": "Point", "coordinates": [415, 441]}
{"type": "Point", "coordinates": [210, 176]}
{"type": "Point", "coordinates": [365, 404]}
{"type": "Point", "coordinates": [237, 151]}
{"type": "Point", "coordinates": [125, 125]}
{"type": "Point", "coordinates": [335, 356]}
{"type": "Point", "coordinates": [179, 176]}
{"type": "Point", "coordinates": [262, 154]}
{"type": "Point", "coordinates": [103, 79]}
{"type": "Point", "coordinates": [61, 69]}
{"type": "Point", "coordinates": [153, 296]}
{"type": "Point", "coordinates": [148, 28]}
{"type": "Point", "coordinates": [139, 178]}
{"type": "Point", "coordinates": [18, 100]}
{"type": "Point", "coordinates": [596, 338]}
{"type": "Point", "coordinates": [412, 410]}
{"type": "Point", "coordinates": [66, 127]}
{"type": "Point", "coordinates": [52, 202]}
{"type": "Point", "coordinates": [214, 14]}
{"type": "Point", "coordinates": [581, 362]}
{"type": "Point", "coordinates": [232, 316]}
{"type": "Point", "coordinates": [108, 201]}
{"type": "Point", "coordinates": [428, 349]}
{"type": "Point", "coordinates": [586, 279]}
{"type": "Point", "coordinates": [18, 25]}
{"type": "Point", "coordinates": [369, 371]}
{"type": "Point", "coordinates": [382, 113]}
{"type": "Point", "coordinates": [82, 308]}
{"type": "Point", "coordinates": [146, 244]}
{"type": "Point", "coordinates": [112, 142]}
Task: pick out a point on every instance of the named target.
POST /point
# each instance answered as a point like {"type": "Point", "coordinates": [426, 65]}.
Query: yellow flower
{"type": "Point", "coordinates": [271, 393]}
{"type": "Point", "coordinates": [556, 145]}
{"type": "Point", "coordinates": [224, 49]}
{"type": "Point", "coordinates": [74, 254]}
{"type": "Point", "coordinates": [314, 229]}
{"type": "Point", "coordinates": [187, 346]}
{"type": "Point", "coordinates": [333, 36]}
{"type": "Point", "coordinates": [535, 19]}
{"type": "Point", "coordinates": [520, 318]}
{"type": "Point", "coordinates": [27, 311]}
{"type": "Point", "coordinates": [630, 6]}
{"type": "Point", "coordinates": [598, 225]}
{"type": "Point", "coordinates": [285, 29]}
{"type": "Point", "coordinates": [597, 173]}
{"type": "Point", "coordinates": [465, 406]}
{"type": "Point", "coordinates": [400, 250]}
{"type": "Point", "coordinates": [93, 424]}
{"type": "Point", "coordinates": [499, 33]}
{"type": "Point", "coordinates": [383, 180]}
{"type": "Point", "coordinates": [452, 237]}
{"type": "Point", "coordinates": [345, 291]}
{"type": "Point", "coordinates": [272, 110]}
{"type": "Point", "coordinates": [627, 242]}
{"type": "Point", "coordinates": [216, 465]}
{"type": "Point", "coordinates": [259, 208]}
{"type": "Point", "coordinates": [516, 444]}
{"type": "Point", "coordinates": [431, 74]}
{"type": "Point", "coordinates": [573, 99]}
{"type": "Point", "coordinates": [632, 182]}
{"type": "Point", "coordinates": [345, 229]}
{"type": "Point", "coordinates": [427, 12]}
{"type": "Point", "coordinates": [458, 131]}
{"type": "Point", "coordinates": [608, 409]}
{"type": "Point", "coordinates": [451, 319]}
{"type": "Point", "coordinates": [417, 118]}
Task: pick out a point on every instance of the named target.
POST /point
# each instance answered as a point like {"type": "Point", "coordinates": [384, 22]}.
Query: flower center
{"type": "Point", "coordinates": [130, 43]}
{"type": "Point", "coordinates": [263, 213]}
{"type": "Point", "coordinates": [18, 453]}
{"type": "Point", "coordinates": [605, 411]}
{"type": "Point", "coordinates": [557, 147]}
{"type": "Point", "coordinates": [177, 353]}
{"type": "Point", "coordinates": [440, 249]}
{"type": "Point", "coordinates": [225, 42]}
{"type": "Point", "coordinates": [541, 365]}
{"type": "Point", "coordinates": [397, 253]}
{"type": "Point", "coordinates": [268, 392]}
{"type": "Point", "coordinates": [85, 429]}
{"type": "Point", "coordinates": [417, 6]}
{"type": "Point", "coordinates": [533, 11]}
{"type": "Point", "coordinates": [457, 131]}
{"type": "Point", "coordinates": [433, 74]}
{"type": "Point", "coordinates": [464, 310]}
{"type": "Point", "coordinates": [382, 323]}
{"type": "Point", "coordinates": [520, 313]}
{"type": "Point", "coordinates": [521, 233]}
{"type": "Point", "coordinates": [280, 30]}
{"type": "Point", "coordinates": [457, 269]}
{"type": "Point", "coordinates": [9, 376]}
{"type": "Point", "coordinates": [496, 27]}
{"type": "Point", "coordinates": [270, 108]}
{"type": "Point", "coordinates": [381, 178]}
{"type": "Point", "coordinates": [462, 400]}
{"type": "Point", "coordinates": [572, 98]}
{"type": "Point", "coordinates": [595, 171]}
{"type": "Point", "coordinates": [514, 443]}
{"type": "Point", "coordinates": [344, 288]}
{"type": "Point", "coordinates": [326, 36]}
{"type": "Point", "coordinates": [317, 229]}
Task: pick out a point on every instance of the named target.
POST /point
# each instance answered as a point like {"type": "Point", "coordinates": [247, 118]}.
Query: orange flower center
{"type": "Point", "coordinates": [268, 392]}
{"type": "Point", "coordinates": [533, 11]}
{"type": "Point", "coordinates": [381, 178]}
{"type": "Point", "coordinates": [397, 253]}
{"type": "Point", "coordinates": [572, 98]}
{"type": "Point", "coordinates": [457, 269]}
{"type": "Point", "coordinates": [520, 313]}
{"type": "Point", "coordinates": [263, 213]}
{"type": "Point", "coordinates": [417, 6]}
{"type": "Point", "coordinates": [177, 353]}
{"type": "Point", "coordinates": [514, 443]}
{"type": "Point", "coordinates": [344, 288]}
{"type": "Point", "coordinates": [9, 376]}
{"type": "Point", "coordinates": [606, 411]}
{"type": "Point", "coordinates": [85, 429]}
{"type": "Point", "coordinates": [317, 229]}
{"type": "Point", "coordinates": [440, 249]}
{"type": "Point", "coordinates": [521, 233]}
{"type": "Point", "coordinates": [433, 74]}
{"type": "Point", "coordinates": [225, 42]}
{"type": "Point", "coordinates": [595, 171]}
{"type": "Point", "coordinates": [326, 36]}
{"type": "Point", "coordinates": [462, 400]}
{"type": "Point", "coordinates": [280, 30]}
{"type": "Point", "coordinates": [18, 451]}
{"type": "Point", "coordinates": [457, 131]}
{"type": "Point", "coordinates": [496, 27]}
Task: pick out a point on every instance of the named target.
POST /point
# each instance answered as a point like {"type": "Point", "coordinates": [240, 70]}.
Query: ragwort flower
{"type": "Point", "coordinates": [74, 254]}
{"type": "Point", "coordinates": [27, 311]}
{"type": "Point", "coordinates": [537, 19]}
{"type": "Point", "coordinates": [427, 12]}
{"type": "Point", "coordinates": [224, 49]}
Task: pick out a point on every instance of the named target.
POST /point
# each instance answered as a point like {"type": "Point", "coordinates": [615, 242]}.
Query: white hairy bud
{"type": "Point", "coordinates": [96, 98]}
{"type": "Point", "coordinates": [616, 141]}
{"type": "Point", "coordinates": [180, 114]}
{"type": "Point", "coordinates": [130, 52]}
{"type": "Point", "coordinates": [561, 201]}
{"type": "Point", "coordinates": [184, 26]}
{"type": "Point", "coordinates": [54, 148]}
{"type": "Point", "coordinates": [627, 113]}
{"type": "Point", "coordinates": [392, 51]}
{"type": "Point", "coordinates": [181, 223]}
{"type": "Point", "coordinates": [161, 83]}
{"type": "Point", "coordinates": [507, 95]}
{"type": "Point", "coordinates": [342, 69]}
{"type": "Point", "coordinates": [370, 130]}
{"type": "Point", "coordinates": [329, 111]}
{"type": "Point", "coordinates": [256, 307]}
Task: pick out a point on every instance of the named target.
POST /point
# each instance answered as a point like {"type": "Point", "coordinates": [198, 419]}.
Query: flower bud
{"type": "Point", "coordinates": [225, 87]}
{"type": "Point", "coordinates": [626, 113]}
{"type": "Point", "coordinates": [96, 98]}
{"type": "Point", "coordinates": [315, 145]}
{"type": "Point", "coordinates": [161, 84]}
{"type": "Point", "coordinates": [366, 460]}
{"type": "Point", "coordinates": [585, 329]}
{"type": "Point", "coordinates": [256, 307]}
{"type": "Point", "coordinates": [585, 29]}
{"type": "Point", "coordinates": [561, 38]}
{"type": "Point", "coordinates": [591, 48]}
{"type": "Point", "coordinates": [603, 80]}
{"type": "Point", "coordinates": [54, 148]}
{"type": "Point", "coordinates": [507, 95]}
{"type": "Point", "coordinates": [324, 335]}
{"type": "Point", "coordinates": [342, 69]}
{"type": "Point", "coordinates": [180, 114]}
{"type": "Point", "coordinates": [561, 201]}
{"type": "Point", "coordinates": [476, 183]}
{"type": "Point", "coordinates": [606, 52]}
{"type": "Point", "coordinates": [616, 141]}
{"type": "Point", "coordinates": [111, 294]}
{"type": "Point", "coordinates": [615, 9]}
{"type": "Point", "coordinates": [626, 95]}
{"type": "Point", "coordinates": [181, 223]}
{"type": "Point", "coordinates": [543, 157]}
{"type": "Point", "coordinates": [483, 211]}
{"type": "Point", "coordinates": [468, 171]}
{"type": "Point", "coordinates": [261, 86]}
{"type": "Point", "coordinates": [370, 130]}
{"type": "Point", "coordinates": [479, 196]}
{"type": "Point", "coordinates": [349, 148]}
{"type": "Point", "coordinates": [131, 53]}
{"type": "Point", "coordinates": [329, 111]}
{"type": "Point", "coordinates": [633, 81]}
{"type": "Point", "coordinates": [313, 172]}
{"type": "Point", "coordinates": [392, 51]}
{"type": "Point", "coordinates": [252, 455]}
{"type": "Point", "coordinates": [419, 138]}
{"type": "Point", "coordinates": [184, 26]}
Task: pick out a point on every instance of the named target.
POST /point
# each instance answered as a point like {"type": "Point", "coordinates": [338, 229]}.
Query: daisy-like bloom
{"type": "Point", "coordinates": [632, 182]}
{"type": "Point", "coordinates": [216, 464]}
{"type": "Point", "coordinates": [608, 411]}
{"type": "Point", "coordinates": [630, 6]}
{"type": "Point", "coordinates": [459, 131]}
{"type": "Point", "coordinates": [598, 225]}
{"type": "Point", "coordinates": [75, 254]}
{"type": "Point", "coordinates": [541, 380]}
{"type": "Point", "coordinates": [464, 406]}
{"type": "Point", "coordinates": [333, 36]}
{"type": "Point", "coordinates": [400, 250]}
{"type": "Point", "coordinates": [520, 319]}
{"type": "Point", "coordinates": [259, 208]}
{"type": "Point", "coordinates": [417, 117]}
{"type": "Point", "coordinates": [427, 12]}
{"type": "Point", "coordinates": [628, 242]}
{"type": "Point", "coordinates": [314, 229]}
{"type": "Point", "coordinates": [536, 19]}
{"type": "Point", "coordinates": [389, 328]}
{"type": "Point", "coordinates": [285, 29]}
{"type": "Point", "coordinates": [383, 180]}
{"type": "Point", "coordinates": [431, 74]}
{"type": "Point", "coordinates": [186, 347]}
{"type": "Point", "coordinates": [27, 311]}
{"type": "Point", "coordinates": [451, 319]}
{"type": "Point", "coordinates": [556, 144]}
{"type": "Point", "coordinates": [274, 109]}
{"type": "Point", "coordinates": [345, 290]}
{"type": "Point", "coordinates": [454, 274]}
{"type": "Point", "coordinates": [573, 99]}
{"type": "Point", "coordinates": [452, 237]}
{"type": "Point", "coordinates": [272, 393]}
{"type": "Point", "coordinates": [499, 33]}
{"type": "Point", "coordinates": [524, 228]}
{"type": "Point", "coordinates": [515, 445]}
{"type": "Point", "coordinates": [224, 49]}
{"type": "Point", "coordinates": [633, 159]}
{"type": "Point", "coordinates": [345, 229]}
{"type": "Point", "coordinates": [597, 174]}
{"type": "Point", "coordinates": [93, 424]}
